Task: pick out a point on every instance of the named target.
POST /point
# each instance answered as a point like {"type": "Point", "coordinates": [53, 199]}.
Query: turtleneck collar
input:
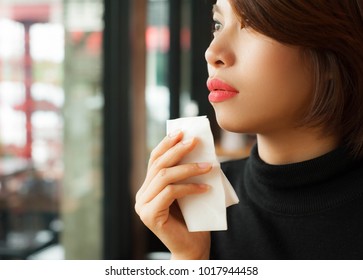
{"type": "Point", "coordinates": [304, 187]}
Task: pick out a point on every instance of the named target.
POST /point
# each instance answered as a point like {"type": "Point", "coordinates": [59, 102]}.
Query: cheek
{"type": "Point", "coordinates": [275, 90]}
{"type": "Point", "coordinates": [279, 78]}
{"type": "Point", "coordinates": [274, 67]}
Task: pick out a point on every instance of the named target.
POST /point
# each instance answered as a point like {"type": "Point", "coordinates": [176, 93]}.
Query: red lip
{"type": "Point", "coordinates": [220, 91]}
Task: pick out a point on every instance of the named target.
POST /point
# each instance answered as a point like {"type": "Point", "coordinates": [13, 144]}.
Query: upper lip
{"type": "Point", "coordinates": [216, 84]}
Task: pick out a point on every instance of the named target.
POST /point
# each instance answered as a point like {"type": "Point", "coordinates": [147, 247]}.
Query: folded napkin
{"type": "Point", "coordinates": [204, 212]}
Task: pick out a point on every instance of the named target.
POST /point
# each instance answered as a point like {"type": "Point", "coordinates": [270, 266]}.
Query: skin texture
{"type": "Point", "coordinates": [155, 201]}
{"type": "Point", "coordinates": [274, 90]}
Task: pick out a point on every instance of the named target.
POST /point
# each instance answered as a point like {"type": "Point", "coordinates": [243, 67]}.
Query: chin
{"type": "Point", "coordinates": [229, 123]}
{"type": "Point", "coordinates": [234, 123]}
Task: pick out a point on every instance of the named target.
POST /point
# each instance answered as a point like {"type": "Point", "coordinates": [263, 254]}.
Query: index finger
{"type": "Point", "coordinates": [168, 142]}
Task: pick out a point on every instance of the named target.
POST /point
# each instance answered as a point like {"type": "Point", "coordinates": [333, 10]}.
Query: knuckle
{"type": "Point", "coordinates": [145, 216]}
{"type": "Point", "coordinates": [158, 164]}
{"type": "Point", "coordinates": [162, 174]}
{"type": "Point", "coordinates": [169, 191]}
{"type": "Point", "coordinates": [153, 155]}
{"type": "Point", "coordinates": [137, 208]}
{"type": "Point", "coordinates": [149, 163]}
{"type": "Point", "coordinates": [137, 196]}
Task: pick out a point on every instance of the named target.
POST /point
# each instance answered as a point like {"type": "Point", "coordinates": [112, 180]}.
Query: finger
{"type": "Point", "coordinates": [172, 175]}
{"type": "Point", "coordinates": [156, 213]}
{"type": "Point", "coordinates": [170, 158]}
{"type": "Point", "coordinates": [169, 141]}
{"type": "Point", "coordinates": [165, 176]}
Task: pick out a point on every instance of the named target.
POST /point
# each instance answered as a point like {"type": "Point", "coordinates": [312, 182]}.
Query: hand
{"type": "Point", "coordinates": [156, 200]}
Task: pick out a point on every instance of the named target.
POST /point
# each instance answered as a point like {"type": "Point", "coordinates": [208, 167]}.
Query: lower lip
{"type": "Point", "coordinates": [221, 95]}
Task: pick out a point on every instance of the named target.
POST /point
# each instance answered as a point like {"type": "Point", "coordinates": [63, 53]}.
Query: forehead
{"type": "Point", "coordinates": [221, 6]}
{"type": "Point", "coordinates": [216, 9]}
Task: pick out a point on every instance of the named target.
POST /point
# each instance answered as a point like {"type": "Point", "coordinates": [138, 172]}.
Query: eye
{"type": "Point", "coordinates": [216, 26]}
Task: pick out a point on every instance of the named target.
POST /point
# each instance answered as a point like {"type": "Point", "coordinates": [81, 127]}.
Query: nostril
{"type": "Point", "coordinates": [219, 62]}
{"type": "Point", "coordinates": [215, 57]}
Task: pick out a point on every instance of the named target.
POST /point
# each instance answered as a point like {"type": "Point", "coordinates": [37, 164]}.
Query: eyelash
{"type": "Point", "coordinates": [214, 26]}
{"type": "Point", "coordinates": [216, 23]}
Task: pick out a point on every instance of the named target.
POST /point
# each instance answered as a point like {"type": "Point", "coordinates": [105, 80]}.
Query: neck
{"type": "Point", "coordinates": [294, 146]}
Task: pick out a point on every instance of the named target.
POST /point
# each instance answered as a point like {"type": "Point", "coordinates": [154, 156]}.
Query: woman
{"type": "Point", "coordinates": [289, 72]}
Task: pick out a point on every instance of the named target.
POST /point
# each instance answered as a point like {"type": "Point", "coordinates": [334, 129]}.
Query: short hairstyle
{"type": "Point", "coordinates": [330, 33]}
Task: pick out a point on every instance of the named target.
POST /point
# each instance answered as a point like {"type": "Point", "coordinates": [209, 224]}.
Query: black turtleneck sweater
{"type": "Point", "coordinates": [307, 210]}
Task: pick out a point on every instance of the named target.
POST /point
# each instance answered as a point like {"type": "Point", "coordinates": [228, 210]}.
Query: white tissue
{"type": "Point", "coordinates": [207, 211]}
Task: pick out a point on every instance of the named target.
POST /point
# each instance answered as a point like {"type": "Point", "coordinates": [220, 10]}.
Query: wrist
{"type": "Point", "coordinates": [182, 257]}
{"type": "Point", "coordinates": [204, 255]}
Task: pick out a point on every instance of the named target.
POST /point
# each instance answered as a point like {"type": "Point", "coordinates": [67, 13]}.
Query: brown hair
{"type": "Point", "coordinates": [330, 33]}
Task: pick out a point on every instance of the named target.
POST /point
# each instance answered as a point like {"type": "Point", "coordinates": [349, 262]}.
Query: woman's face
{"type": "Point", "coordinates": [271, 85]}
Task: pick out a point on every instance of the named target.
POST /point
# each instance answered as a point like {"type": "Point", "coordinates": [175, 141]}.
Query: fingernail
{"type": "Point", "coordinates": [174, 133]}
{"type": "Point", "coordinates": [187, 141]}
{"type": "Point", "coordinates": [204, 165]}
{"type": "Point", "coordinates": [204, 186]}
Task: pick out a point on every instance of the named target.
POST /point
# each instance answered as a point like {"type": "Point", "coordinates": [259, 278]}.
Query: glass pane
{"type": "Point", "coordinates": [157, 91]}
{"type": "Point", "coordinates": [82, 193]}
{"type": "Point", "coordinates": [41, 106]}
{"type": "Point", "coordinates": [188, 107]}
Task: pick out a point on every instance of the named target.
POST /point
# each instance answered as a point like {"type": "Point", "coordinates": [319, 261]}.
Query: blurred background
{"type": "Point", "coordinates": [86, 87]}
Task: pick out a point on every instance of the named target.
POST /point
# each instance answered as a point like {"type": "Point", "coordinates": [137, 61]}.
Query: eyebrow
{"type": "Point", "coordinates": [216, 9]}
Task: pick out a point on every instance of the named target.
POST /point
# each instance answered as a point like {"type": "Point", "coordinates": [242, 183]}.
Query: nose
{"type": "Point", "coordinates": [219, 54]}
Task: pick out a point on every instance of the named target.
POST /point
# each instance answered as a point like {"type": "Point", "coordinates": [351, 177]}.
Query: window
{"type": "Point", "coordinates": [51, 129]}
